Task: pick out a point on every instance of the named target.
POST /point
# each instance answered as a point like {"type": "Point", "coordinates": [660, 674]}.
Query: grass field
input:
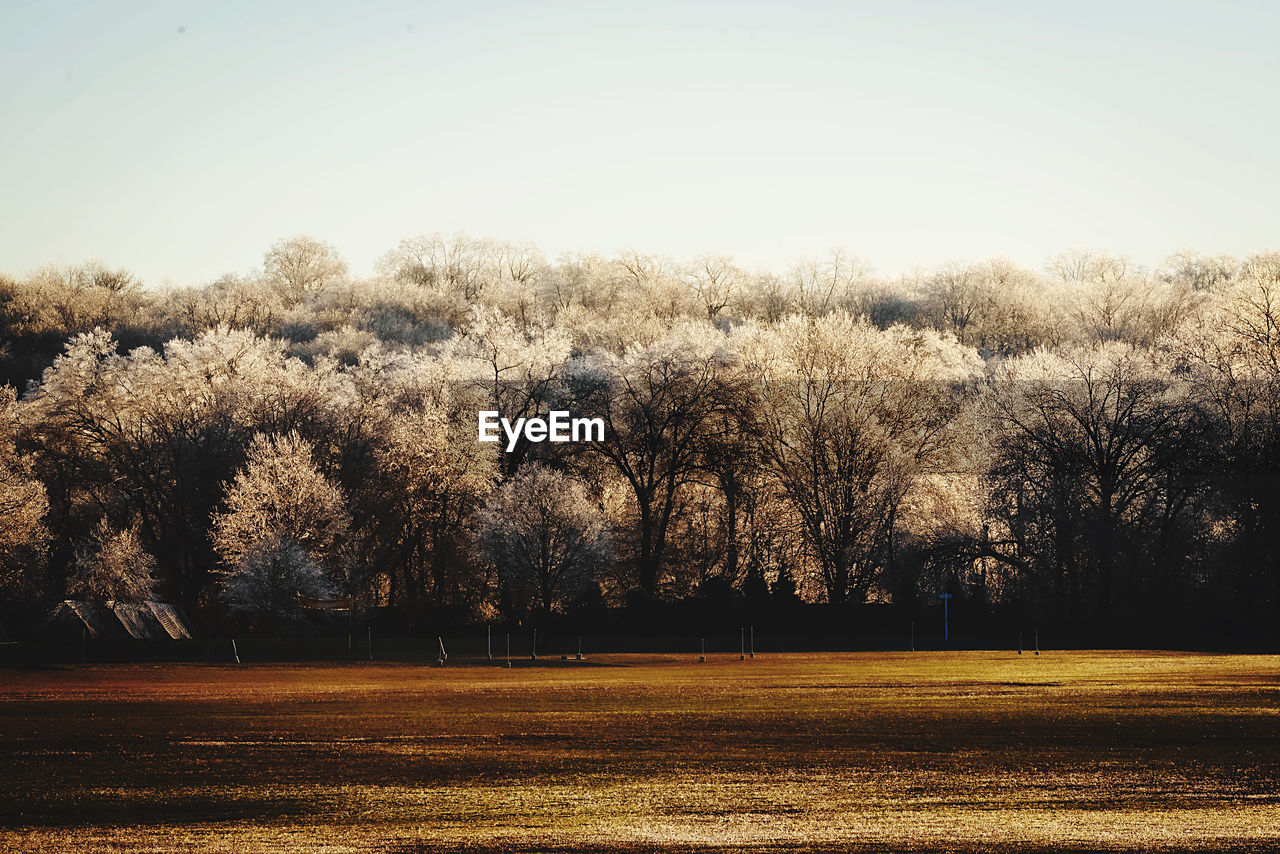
{"type": "Point", "coordinates": [850, 752]}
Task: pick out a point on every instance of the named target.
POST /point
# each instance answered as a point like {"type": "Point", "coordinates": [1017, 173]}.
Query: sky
{"type": "Point", "coordinates": [180, 139]}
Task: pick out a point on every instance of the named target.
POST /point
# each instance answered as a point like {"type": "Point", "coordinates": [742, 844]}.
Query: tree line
{"type": "Point", "coordinates": [1087, 444]}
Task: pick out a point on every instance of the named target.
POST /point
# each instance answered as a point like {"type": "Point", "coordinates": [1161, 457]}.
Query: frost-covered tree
{"type": "Point", "coordinates": [716, 281]}
{"type": "Point", "coordinates": [993, 305]}
{"type": "Point", "coordinates": [74, 299]}
{"type": "Point", "coordinates": [805, 445]}
{"type": "Point", "coordinates": [112, 566]}
{"type": "Point", "coordinates": [429, 474]}
{"type": "Point", "coordinates": [1106, 296]}
{"type": "Point", "coordinates": [1229, 352]}
{"type": "Point", "coordinates": [545, 536]}
{"type": "Point", "coordinates": [953, 299]}
{"type": "Point", "coordinates": [822, 285]}
{"type": "Point", "coordinates": [23, 505]}
{"type": "Point", "coordinates": [519, 373]}
{"type": "Point", "coordinates": [230, 302]}
{"type": "Point", "coordinates": [456, 264]}
{"type": "Point", "coordinates": [300, 265]}
{"type": "Point", "coordinates": [264, 583]}
{"type": "Point", "coordinates": [280, 491]}
{"type": "Point", "coordinates": [1096, 467]}
{"type": "Point", "coordinates": [664, 405]}
{"type": "Point", "coordinates": [1198, 271]}
{"type": "Point", "coordinates": [163, 431]}
{"type": "Point", "coordinates": [850, 417]}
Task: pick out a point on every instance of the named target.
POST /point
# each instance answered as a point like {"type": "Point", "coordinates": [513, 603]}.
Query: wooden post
{"type": "Point", "coordinates": [753, 641]}
{"type": "Point", "coordinates": [742, 644]}
{"type": "Point", "coordinates": [533, 649]}
{"type": "Point", "coordinates": [579, 647]}
{"type": "Point", "coordinates": [369, 631]}
{"type": "Point", "coordinates": [702, 658]}
{"type": "Point", "coordinates": [508, 649]}
{"type": "Point", "coordinates": [488, 640]}
{"type": "Point", "coordinates": [1019, 643]}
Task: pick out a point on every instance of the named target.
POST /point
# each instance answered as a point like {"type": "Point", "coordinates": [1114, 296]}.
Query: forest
{"type": "Point", "coordinates": [1088, 445]}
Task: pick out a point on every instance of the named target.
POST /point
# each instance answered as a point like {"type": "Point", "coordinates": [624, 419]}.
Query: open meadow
{"type": "Point", "coordinates": [849, 752]}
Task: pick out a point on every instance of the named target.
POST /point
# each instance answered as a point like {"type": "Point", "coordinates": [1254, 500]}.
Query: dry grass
{"type": "Point", "coordinates": [877, 752]}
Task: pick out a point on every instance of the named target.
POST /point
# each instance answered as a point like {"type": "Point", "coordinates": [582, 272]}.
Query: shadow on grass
{"type": "Point", "coordinates": [771, 847]}
{"type": "Point", "coordinates": [123, 809]}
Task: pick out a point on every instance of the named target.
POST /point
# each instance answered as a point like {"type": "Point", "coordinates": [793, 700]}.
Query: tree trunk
{"type": "Point", "coordinates": [731, 532]}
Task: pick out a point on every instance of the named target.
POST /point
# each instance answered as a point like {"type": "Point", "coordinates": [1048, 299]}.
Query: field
{"type": "Point", "coordinates": [849, 752]}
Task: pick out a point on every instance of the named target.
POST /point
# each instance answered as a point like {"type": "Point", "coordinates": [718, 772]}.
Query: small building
{"type": "Point", "coordinates": [144, 621]}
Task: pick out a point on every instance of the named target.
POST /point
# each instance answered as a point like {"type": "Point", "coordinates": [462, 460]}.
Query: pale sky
{"type": "Point", "coordinates": [180, 139]}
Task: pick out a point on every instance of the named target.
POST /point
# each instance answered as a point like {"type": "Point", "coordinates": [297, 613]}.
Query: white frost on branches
{"type": "Point", "coordinates": [284, 521]}
{"type": "Point", "coordinates": [112, 566]}
{"type": "Point", "coordinates": [544, 535]}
